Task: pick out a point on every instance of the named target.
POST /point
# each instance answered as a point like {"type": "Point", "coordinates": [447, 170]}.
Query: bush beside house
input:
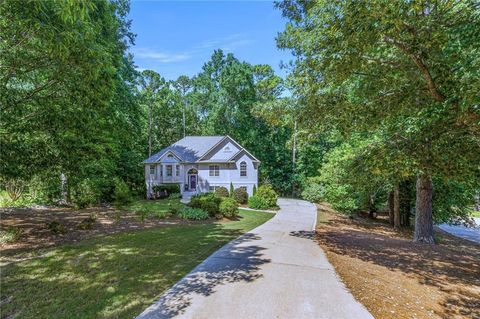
{"type": "Point", "coordinates": [240, 195]}
{"type": "Point", "coordinates": [265, 198]}
{"type": "Point", "coordinates": [221, 191]}
{"type": "Point", "coordinates": [228, 207]}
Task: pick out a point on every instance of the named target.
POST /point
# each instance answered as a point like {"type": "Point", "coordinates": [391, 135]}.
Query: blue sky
{"type": "Point", "coordinates": [178, 37]}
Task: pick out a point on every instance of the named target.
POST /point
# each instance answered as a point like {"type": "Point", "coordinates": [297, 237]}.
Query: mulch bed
{"type": "Point", "coordinates": [36, 236]}
{"type": "Point", "coordinates": [396, 278]}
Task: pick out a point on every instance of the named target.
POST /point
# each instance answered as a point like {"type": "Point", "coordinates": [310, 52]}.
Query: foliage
{"type": "Point", "coordinates": [221, 191]}
{"type": "Point", "coordinates": [169, 188]}
{"type": "Point", "coordinates": [122, 194]}
{"type": "Point", "coordinates": [10, 235]}
{"type": "Point", "coordinates": [231, 189]}
{"type": "Point", "coordinates": [209, 202]}
{"type": "Point", "coordinates": [313, 192]}
{"type": "Point", "coordinates": [175, 196]}
{"type": "Point", "coordinates": [240, 195]}
{"type": "Point", "coordinates": [254, 192]}
{"type": "Point", "coordinates": [158, 208]}
{"type": "Point", "coordinates": [193, 213]}
{"type": "Point", "coordinates": [398, 75]}
{"type": "Point", "coordinates": [257, 202]}
{"type": "Point", "coordinates": [228, 207]}
{"type": "Point", "coordinates": [85, 193]}
{"type": "Point", "coordinates": [268, 194]}
{"type": "Point", "coordinates": [56, 227]}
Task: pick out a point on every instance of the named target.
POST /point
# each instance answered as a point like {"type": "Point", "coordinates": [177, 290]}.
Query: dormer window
{"type": "Point", "coordinates": [227, 149]}
{"type": "Point", "coordinates": [243, 169]}
{"type": "Point", "coordinates": [170, 156]}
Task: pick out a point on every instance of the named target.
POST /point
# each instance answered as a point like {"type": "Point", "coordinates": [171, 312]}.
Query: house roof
{"type": "Point", "coordinates": [192, 148]}
{"type": "Point", "coordinates": [188, 149]}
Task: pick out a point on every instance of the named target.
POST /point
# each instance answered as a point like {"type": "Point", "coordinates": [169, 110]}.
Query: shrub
{"type": "Point", "coordinates": [143, 213]}
{"type": "Point", "coordinates": [169, 188]}
{"type": "Point", "coordinates": [208, 202]}
{"type": "Point", "coordinates": [314, 192]}
{"type": "Point", "coordinates": [221, 191]}
{"type": "Point", "coordinates": [10, 235]}
{"type": "Point", "coordinates": [193, 213]}
{"type": "Point", "coordinates": [122, 194]}
{"type": "Point", "coordinates": [175, 196]}
{"type": "Point", "coordinates": [257, 202]}
{"type": "Point", "coordinates": [88, 222]}
{"type": "Point", "coordinates": [240, 195]}
{"type": "Point", "coordinates": [254, 190]}
{"type": "Point", "coordinates": [268, 194]}
{"type": "Point", "coordinates": [56, 227]}
{"type": "Point", "coordinates": [228, 207]}
{"type": "Point", "coordinates": [231, 189]}
{"type": "Point", "coordinates": [85, 193]}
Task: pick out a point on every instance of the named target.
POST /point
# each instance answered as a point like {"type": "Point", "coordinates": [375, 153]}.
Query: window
{"type": "Point", "coordinates": [212, 188]}
{"type": "Point", "coordinates": [161, 170]}
{"type": "Point", "coordinates": [152, 170]}
{"type": "Point", "coordinates": [214, 170]}
{"type": "Point", "coordinates": [227, 149]}
{"type": "Point", "coordinates": [169, 170]}
{"type": "Point", "coordinates": [170, 156]}
{"type": "Point", "coordinates": [177, 170]}
{"type": "Point", "coordinates": [243, 169]}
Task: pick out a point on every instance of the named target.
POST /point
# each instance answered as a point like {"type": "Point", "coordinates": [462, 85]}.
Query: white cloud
{"type": "Point", "coordinates": [228, 43]}
{"type": "Point", "coordinates": [147, 53]}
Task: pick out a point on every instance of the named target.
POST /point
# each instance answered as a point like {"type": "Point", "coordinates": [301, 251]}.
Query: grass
{"type": "Point", "coordinates": [114, 276]}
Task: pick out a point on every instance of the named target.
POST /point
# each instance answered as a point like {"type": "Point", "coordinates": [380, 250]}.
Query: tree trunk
{"type": "Point", "coordinates": [423, 211]}
{"type": "Point", "coordinates": [390, 207]}
{"type": "Point", "coordinates": [396, 207]}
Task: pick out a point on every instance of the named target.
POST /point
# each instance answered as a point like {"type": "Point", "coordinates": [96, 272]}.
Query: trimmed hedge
{"type": "Point", "coordinates": [221, 191]}
{"type": "Point", "coordinates": [229, 207]}
{"type": "Point", "coordinates": [240, 195]}
{"type": "Point", "coordinates": [169, 188]}
{"type": "Point", "coordinates": [209, 202]}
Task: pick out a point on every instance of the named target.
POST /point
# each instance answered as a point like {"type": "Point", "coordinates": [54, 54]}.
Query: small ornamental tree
{"type": "Point", "coordinates": [231, 189]}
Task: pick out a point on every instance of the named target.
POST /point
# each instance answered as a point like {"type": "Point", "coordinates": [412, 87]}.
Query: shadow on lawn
{"type": "Point", "coordinates": [439, 266]}
{"type": "Point", "coordinates": [118, 276]}
{"type": "Point", "coordinates": [237, 263]}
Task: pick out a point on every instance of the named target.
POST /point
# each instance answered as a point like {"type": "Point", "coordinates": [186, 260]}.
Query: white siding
{"type": "Point", "coordinates": [225, 152]}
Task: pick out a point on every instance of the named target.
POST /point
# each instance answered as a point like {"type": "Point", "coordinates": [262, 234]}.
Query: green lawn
{"type": "Point", "coordinates": [115, 276]}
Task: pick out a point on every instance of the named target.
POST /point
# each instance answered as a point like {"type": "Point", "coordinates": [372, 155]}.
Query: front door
{"type": "Point", "coordinates": [193, 182]}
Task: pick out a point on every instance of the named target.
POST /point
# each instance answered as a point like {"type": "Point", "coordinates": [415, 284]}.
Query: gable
{"type": "Point", "coordinates": [243, 152]}
{"type": "Point", "coordinates": [222, 151]}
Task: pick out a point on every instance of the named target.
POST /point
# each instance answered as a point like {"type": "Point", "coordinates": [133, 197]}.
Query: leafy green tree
{"type": "Point", "coordinates": [406, 69]}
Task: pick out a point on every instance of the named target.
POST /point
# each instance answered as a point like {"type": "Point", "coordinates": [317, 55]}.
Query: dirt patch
{"type": "Point", "coordinates": [395, 278]}
{"type": "Point", "coordinates": [36, 235]}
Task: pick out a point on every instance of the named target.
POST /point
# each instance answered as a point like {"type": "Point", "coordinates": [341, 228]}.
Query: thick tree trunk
{"type": "Point", "coordinates": [423, 211]}
{"type": "Point", "coordinates": [390, 207]}
{"type": "Point", "coordinates": [396, 207]}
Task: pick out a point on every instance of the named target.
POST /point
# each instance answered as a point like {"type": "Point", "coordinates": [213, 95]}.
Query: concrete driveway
{"type": "Point", "coordinates": [469, 233]}
{"type": "Point", "coordinates": [274, 271]}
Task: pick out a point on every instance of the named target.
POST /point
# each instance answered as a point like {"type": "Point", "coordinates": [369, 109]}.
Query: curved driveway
{"type": "Point", "coordinates": [274, 271]}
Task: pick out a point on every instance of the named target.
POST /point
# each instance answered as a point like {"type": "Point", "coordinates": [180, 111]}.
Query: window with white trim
{"type": "Point", "coordinates": [243, 169]}
{"type": "Point", "coordinates": [161, 170]}
{"type": "Point", "coordinates": [169, 170]}
{"type": "Point", "coordinates": [177, 170]}
{"type": "Point", "coordinates": [214, 170]}
{"type": "Point", "coordinates": [212, 188]}
{"type": "Point", "coordinates": [152, 170]}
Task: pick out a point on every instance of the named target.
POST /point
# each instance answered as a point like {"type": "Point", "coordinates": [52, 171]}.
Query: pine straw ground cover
{"type": "Point", "coordinates": [395, 278]}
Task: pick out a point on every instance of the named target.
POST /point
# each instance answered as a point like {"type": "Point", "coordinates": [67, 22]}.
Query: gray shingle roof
{"type": "Point", "coordinates": [189, 148]}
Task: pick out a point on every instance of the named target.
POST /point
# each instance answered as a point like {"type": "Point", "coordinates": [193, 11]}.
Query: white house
{"type": "Point", "coordinates": [202, 163]}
